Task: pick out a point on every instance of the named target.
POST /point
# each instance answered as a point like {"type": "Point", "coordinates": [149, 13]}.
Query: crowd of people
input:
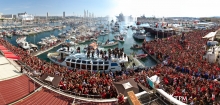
{"type": "Point", "coordinates": [183, 70]}
{"type": "Point", "coordinates": [80, 82]}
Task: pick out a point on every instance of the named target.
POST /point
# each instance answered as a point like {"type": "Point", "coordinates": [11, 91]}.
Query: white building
{"type": "Point", "coordinates": [25, 16]}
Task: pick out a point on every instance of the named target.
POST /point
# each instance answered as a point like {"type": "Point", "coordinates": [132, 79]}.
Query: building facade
{"type": "Point", "coordinates": [8, 16]}
{"type": "Point", "coordinates": [25, 17]}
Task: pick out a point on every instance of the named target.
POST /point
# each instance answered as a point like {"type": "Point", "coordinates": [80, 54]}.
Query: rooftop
{"type": "Point", "coordinates": [8, 69]}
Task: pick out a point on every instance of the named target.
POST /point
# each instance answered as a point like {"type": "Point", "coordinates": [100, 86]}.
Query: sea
{"type": "Point", "coordinates": [129, 41]}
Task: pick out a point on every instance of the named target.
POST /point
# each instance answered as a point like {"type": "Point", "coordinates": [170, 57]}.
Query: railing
{"type": "Point", "coordinates": [65, 91]}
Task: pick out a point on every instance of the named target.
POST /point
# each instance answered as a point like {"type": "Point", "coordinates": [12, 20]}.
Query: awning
{"type": "Point", "coordinates": [3, 48]}
{"type": "Point", "coordinates": [5, 51]}
{"type": "Point", "coordinates": [12, 56]}
{"type": "Point", "coordinates": [8, 52]}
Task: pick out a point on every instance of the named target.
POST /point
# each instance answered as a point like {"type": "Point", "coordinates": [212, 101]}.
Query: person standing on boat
{"type": "Point", "coordinates": [133, 64]}
{"type": "Point", "coordinates": [93, 53]}
{"type": "Point", "coordinates": [97, 51]}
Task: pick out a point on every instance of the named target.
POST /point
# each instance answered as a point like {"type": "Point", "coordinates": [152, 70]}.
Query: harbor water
{"type": "Point", "coordinates": [129, 41]}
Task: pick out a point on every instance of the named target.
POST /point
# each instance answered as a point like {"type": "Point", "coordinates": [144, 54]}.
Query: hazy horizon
{"type": "Point", "coordinates": [102, 8]}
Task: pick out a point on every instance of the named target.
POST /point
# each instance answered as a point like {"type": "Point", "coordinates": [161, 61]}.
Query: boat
{"type": "Point", "coordinates": [141, 56]}
{"type": "Point", "coordinates": [66, 49]}
{"type": "Point", "coordinates": [102, 33]}
{"type": "Point", "coordinates": [160, 28]}
{"type": "Point", "coordinates": [109, 43]}
{"type": "Point", "coordinates": [88, 61]}
{"type": "Point", "coordinates": [62, 35]}
{"type": "Point", "coordinates": [119, 38]}
{"type": "Point", "coordinates": [135, 46]}
{"type": "Point", "coordinates": [139, 35]}
{"type": "Point", "coordinates": [42, 43]}
{"type": "Point", "coordinates": [25, 45]}
{"type": "Point", "coordinates": [72, 43]}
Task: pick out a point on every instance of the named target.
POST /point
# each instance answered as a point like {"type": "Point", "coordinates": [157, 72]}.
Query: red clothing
{"type": "Point", "coordinates": [121, 99]}
{"type": "Point", "coordinates": [103, 95]}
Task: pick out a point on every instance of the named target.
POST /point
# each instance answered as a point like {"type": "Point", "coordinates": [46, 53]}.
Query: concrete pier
{"type": "Point", "coordinates": [136, 61]}
{"type": "Point", "coordinates": [152, 56]}
{"type": "Point", "coordinates": [50, 48]}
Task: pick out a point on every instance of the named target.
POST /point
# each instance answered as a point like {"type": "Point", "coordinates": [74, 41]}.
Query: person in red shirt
{"type": "Point", "coordinates": [121, 100]}
{"type": "Point", "coordinates": [104, 94]}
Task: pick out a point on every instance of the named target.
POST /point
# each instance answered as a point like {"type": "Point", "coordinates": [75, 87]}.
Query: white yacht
{"type": "Point", "coordinates": [139, 35]}
{"type": "Point", "coordinates": [25, 45]}
{"type": "Point", "coordinates": [109, 43]}
{"type": "Point", "coordinates": [82, 61]}
{"type": "Point", "coordinates": [119, 38]}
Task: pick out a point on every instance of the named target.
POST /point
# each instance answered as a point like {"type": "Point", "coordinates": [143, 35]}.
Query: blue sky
{"type": "Point", "coordinates": [158, 8]}
{"type": "Point", "coordinates": [55, 7]}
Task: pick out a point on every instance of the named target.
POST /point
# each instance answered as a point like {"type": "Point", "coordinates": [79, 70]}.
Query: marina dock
{"type": "Point", "coordinates": [136, 61]}
{"type": "Point", "coordinates": [152, 56]}
{"type": "Point", "coordinates": [50, 48]}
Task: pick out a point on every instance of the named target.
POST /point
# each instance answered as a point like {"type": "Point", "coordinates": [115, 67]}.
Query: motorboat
{"type": "Point", "coordinates": [141, 56]}
{"type": "Point", "coordinates": [119, 38]}
{"type": "Point", "coordinates": [135, 46]}
{"type": "Point", "coordinates": [109, 43]}
{"type": "Point", "coordinates": [42, 43]}
{"type": "Point", "coordinates": [102, 33]}
{"type": "Point", "coordinates": [139, 35]}
{"type": "Point", "coordinates": [72, 43]}
{"type": "Point", "coordinates": [25, 45]}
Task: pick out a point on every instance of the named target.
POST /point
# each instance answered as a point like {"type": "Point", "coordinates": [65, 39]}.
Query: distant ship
{"type": "Point", "coordinates": [121, 18]}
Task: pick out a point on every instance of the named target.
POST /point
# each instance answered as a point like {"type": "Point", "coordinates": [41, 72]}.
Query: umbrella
{"type": "Point", "coordinates": [125, 86]}
{"type": "Point", "coordinates": [49, 78]}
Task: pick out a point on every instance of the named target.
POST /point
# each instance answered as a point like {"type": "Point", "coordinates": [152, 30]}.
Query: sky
{"type": "Point", "coordinates": [158, 8]}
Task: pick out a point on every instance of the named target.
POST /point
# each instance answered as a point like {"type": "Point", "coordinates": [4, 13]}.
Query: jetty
{"type": "Point", "coordinates": [136, 61]}
{"type": "Point", "coordinates": [152, 56]}
{"type": "Point", "coordinates": [50, 48]}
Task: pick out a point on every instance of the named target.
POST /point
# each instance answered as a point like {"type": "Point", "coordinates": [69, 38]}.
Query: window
{"type": "Point", "coordinates": [94, 62]}
{"type": "Point", "coordinates": [78, 61]}
{"type": "Point", "coordinates": [68, 63]}
{"type": "Point", "coordinates": [114, 64]}
{"type": "Point", "coordinates": [88, 62]}
{"type": "Point", "coordinates": [83, 66]}
{"type": "Point", "coordinates": [106, 67]}
{"type": "Point", "coordinates": [95, 67]}
{"type": "Point", "coordinates": [73, 60]}
{"type": "Point", "coordinates": [84, 62]}
{"type": "Point", "coordinates": [100, 62]}
{"type": "Point", "coordinates": [100, 67]}
{"type": "Point", "coordinates": [89, 67]}
{"type": "Point", "coordinates": [106, 62]}
{"type": "Point", "coordinates": [77, 65]}
{"type": "Point", "coordinates": [73, 65]}
{"type": "Point", "coordinates": [68, 60]}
